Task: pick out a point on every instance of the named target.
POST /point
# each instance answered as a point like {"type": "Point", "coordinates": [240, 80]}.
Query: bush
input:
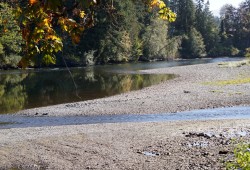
{"type": "Point", "coordinates": [221, 51]}
{"type": "Point", "coordinates": [242, 158]}
{"type": "Point", "coordinates": [10, 39]}
{"type": "Point", "coordinates": [88, 58]}
{"type": "Point", "coordinates": [234, 51]}
{"type": "Point", "coordinates": [247, 53]}
{"type": "Point", "coordinates": [9, 61]}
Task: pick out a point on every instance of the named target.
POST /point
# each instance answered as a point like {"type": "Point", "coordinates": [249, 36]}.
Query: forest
{"type": "Point", "coordinates": [126, 31]}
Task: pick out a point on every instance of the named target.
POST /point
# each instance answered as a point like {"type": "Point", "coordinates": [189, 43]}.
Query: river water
{"type": "Point", "coordinates": [24, 89]}
{"type": "Point", "coordinates": [14, 121]}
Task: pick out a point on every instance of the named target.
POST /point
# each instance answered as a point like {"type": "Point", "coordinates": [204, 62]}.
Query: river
{"type": "Point", "coordinates": [24, 89]}
{"type": "Point", "coordinates": [15, 121]}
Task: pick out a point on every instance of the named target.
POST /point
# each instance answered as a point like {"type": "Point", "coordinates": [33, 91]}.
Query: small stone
{"type": "Point", "coordinates": [223, 152]}
{"type": "Point", "coordinates": [157, 154]}
{"type": "Point", "coordinates": [139, 152]}
{"type": "Point", "coordinates": [204, 153]}
{"type": "Point", "coordinates": [168, 153]}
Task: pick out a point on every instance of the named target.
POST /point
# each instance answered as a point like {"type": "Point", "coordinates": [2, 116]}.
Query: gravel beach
{"type": "Point", "coordinates": [188, 91]}
{"type": "Point", "coordinates": [164, 145]}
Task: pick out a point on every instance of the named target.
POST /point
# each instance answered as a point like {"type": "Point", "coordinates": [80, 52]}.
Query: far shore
{"type": "Point", "coordinates": [194, 88]}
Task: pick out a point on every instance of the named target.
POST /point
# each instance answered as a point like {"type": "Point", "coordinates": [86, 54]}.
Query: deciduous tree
{"type": "Point", "coordinates": [39, 18]}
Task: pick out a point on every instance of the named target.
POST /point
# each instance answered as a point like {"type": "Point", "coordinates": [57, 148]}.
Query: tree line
{"type": "Point", "coordinates": [128, 31]}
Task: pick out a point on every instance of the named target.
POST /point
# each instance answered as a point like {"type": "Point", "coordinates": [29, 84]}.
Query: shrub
{"type": "Point", "coordinates": [10, 39]}
{"type": "Point", "coordinates": [247, 53]}
{"type": "Point", "coordinates": [234, 51]}
{"type": "Point", "coordinates": [242, 158]}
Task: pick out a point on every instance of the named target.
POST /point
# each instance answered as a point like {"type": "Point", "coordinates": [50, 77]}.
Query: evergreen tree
{"type": "Point", "coordinates": [186, 15]}
{"type": "Point", "coordinates": [205, 23]}
{"type": "Point", "coordinates": [242, 34]}
{"type": "Point", "coordinates": [120, 35]}
{"type": "Point", "coordinates": [193, 45]}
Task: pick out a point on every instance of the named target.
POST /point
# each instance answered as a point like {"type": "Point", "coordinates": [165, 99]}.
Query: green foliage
{"type": "Point", "coordinates": [234, 51]}
{"type": "Point", "coordinates": [220, 50]}
{"type": "Point", "coordinates": [43, 22]}
{"type": "Point", "coordinates": [247, 53]}
{"type": "Point", "coordinates": [12, 94]}
{"type": "Point", "coordinates": [122, 34]}
{"type": "Point", "coordinates": [1, 50]}
{"type": "Point", "coordinates": [116, 47]}
{"type": "Point", "coordinates": [185, 16]}
{"type": "Point", "coordinates": [235, 26]}
{"type": "Point", "coordinates": [173, 47]}
{"type": "Point", "coordinates": [193, 45]}
{"type": "Point", "coordinates": [119, 31]}
{"type": "Point", "coordinates": [88, 58]}
{"type": "Point", "coordinates": [155, 40]}
{"type": "Point", "coordinates": [229, 82]}
{"type": "Point", "coordinates": [10, 61]}
{"type": "Point", "coordinates": [206, 24]}
{"type": "Point", "coordinates": [10, 38]}
{"type": "Point", "coordinates": [223, 50]}
{"type": "Point", "coordinates": [137, 49]}
{"type": "Point", "coordinates": [242, 158]}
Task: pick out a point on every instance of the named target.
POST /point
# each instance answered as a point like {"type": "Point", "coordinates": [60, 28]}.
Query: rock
{"type": "Point", "coordinates": [186, 91]}
{"type": "Point", "coordinates": [168, 153]}
{"type": "Point", "coordinates": [223, 152]}
{"type": "Point", "coordinates": [204, 153]}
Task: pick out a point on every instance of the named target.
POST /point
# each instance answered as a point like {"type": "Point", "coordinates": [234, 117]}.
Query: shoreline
{"type": "Point", "coordinates": [184, 145]}
{"type": "Point", "coordinates": [186, 92]}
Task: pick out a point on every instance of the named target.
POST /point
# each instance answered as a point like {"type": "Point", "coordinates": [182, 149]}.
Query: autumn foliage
{"type": "Point", "coordinates": [40, 21]}
{"type": "Point", "coordinates": [31, 2]}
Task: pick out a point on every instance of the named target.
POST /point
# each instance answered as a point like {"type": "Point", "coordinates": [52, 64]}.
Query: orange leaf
{"type": "Point", "coordinates": [31, 2]}
{"type": "Point", "coordinates": [76, 39]}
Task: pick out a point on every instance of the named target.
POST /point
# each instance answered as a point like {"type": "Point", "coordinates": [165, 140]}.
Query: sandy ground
{"type": "Point", "coordinates": [165, 145]}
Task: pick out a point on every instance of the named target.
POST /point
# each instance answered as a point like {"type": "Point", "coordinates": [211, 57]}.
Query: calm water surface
{"type": "Point", "coordinates": [23, 89]}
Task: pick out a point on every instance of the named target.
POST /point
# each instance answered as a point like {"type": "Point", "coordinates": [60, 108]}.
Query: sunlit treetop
{"type": "Point", "coordinates": [39, 21]}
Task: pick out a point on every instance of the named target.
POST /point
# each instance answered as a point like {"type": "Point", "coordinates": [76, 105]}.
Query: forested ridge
{"type": "Point", "coordinates": [128, 31]}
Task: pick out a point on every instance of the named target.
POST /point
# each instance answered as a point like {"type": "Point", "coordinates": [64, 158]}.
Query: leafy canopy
{"type": "Point", "coordinates": [44, 22]}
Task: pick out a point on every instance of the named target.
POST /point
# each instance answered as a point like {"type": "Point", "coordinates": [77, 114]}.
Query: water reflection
{"type": "Point", "coordinates": [35, 88]}
{"type": "Point", "coordinates": [48, 87]}
{"type": "Point", "coordinates": [13, 94]}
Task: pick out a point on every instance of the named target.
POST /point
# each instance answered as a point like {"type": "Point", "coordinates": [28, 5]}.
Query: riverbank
{"type": "Point", "coordinates": [166, 145]}
{"type": "Point", "coordinates": [162, 145]}
{"type": "Point", "coordinates": [196, 87]}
